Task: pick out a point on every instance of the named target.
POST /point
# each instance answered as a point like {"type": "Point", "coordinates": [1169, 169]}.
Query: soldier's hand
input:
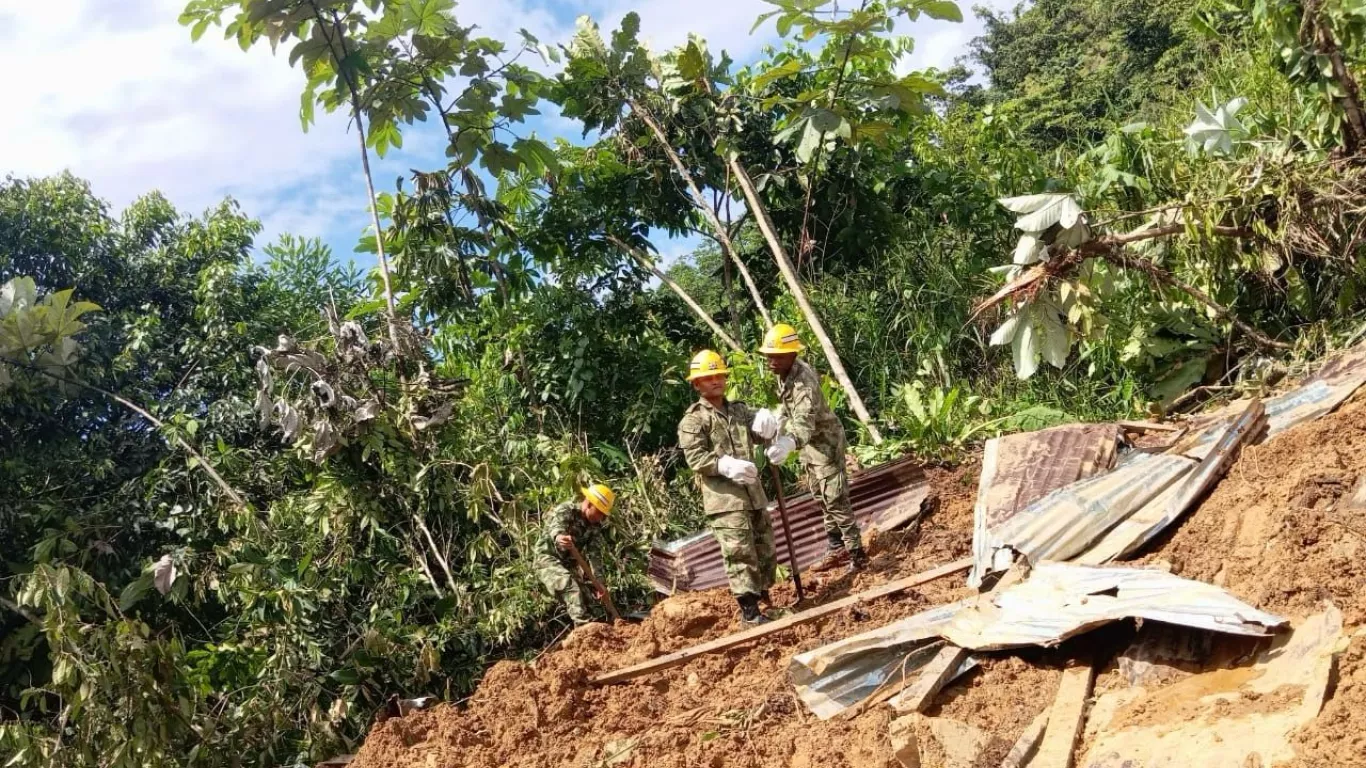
{"type": "Point", "coordinates": [564, 541]}
{"type": "Point", "coordinates": [599, 593]}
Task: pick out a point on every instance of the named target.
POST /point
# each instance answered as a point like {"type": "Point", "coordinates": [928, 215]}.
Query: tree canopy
{"type": "Point", "coordinates": [249, 493]}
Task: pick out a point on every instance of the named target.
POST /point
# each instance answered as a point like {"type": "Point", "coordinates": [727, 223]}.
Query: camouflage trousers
{"type": "Point", "coordinates": [746, 539]}
{"type": "Point", "coordinates": [831, 486]}
{"type": "Point", "coordinates": [566, 587]}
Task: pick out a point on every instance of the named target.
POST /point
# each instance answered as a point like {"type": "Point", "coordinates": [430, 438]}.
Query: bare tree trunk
{"type": "Point", "coordinates": [756, 206]}
{"type": "Point", "coordinates": [1315, 34]}
{"type": "Point", "coordinates": [337, 58]}
{"type": "Point", "coordinates": [697, 309]}
{"type": "Point", "coordinates": [722, 234]}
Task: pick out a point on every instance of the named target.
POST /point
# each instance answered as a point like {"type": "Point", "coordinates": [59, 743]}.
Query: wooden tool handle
{"type": "Point", "coordinates": [588, 574]}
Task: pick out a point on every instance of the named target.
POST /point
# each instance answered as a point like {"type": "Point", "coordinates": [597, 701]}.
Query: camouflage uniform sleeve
{"type": "Point", "coordinates": [801, 407]}
{"type": "Point", "coordinates": [697, 449]}
{"type": "Point", "coordinates": [559, 522]}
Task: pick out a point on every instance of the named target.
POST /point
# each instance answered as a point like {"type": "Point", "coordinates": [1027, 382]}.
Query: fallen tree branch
{"type": "Point", "coordinates": [1163, 276]}
{"type": "Point", "coordinates": [1111, 248]}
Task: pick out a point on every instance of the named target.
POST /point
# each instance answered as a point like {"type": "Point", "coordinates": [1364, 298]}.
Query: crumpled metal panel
{"type": "Point", "coordinates": [1063, 524]}
{"type": "Point", "coordinates": [832, 678]}
{"type": "Point", "coordinates": [887, 492]}
{"type": "Point", "coordinates": [1019, 470]}
{"type": "Point", "coordinates": [1056, 601]}
{"type": "Point", "coordinates": [1316, 396]}
{"type": "Point", "coordinates": [1060, 600]}
{"type": "Point", "coordinates": [1132, 533]}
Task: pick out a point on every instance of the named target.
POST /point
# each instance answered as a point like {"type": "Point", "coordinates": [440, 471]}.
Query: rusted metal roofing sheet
{"type": "Point", "coordinates": [1064, 523]}
{"type": "Point", "coordinates": [1056, 601]}
{"type": "Point", "coordinates": [1020, 469]}
{"type": "Point", "coordinates": [885, 494]}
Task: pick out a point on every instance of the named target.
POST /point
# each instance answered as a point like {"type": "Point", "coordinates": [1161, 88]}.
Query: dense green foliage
{"type": "Point", "coordinates": [247, 494]}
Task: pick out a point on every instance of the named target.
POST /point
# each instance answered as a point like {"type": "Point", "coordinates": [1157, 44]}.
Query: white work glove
{"type": "Point", "coordinates": [778, 452]}
{"type": "Point", "coordinates": [765, 424]}
{"type": "Point", "coordinates": [738, 470]}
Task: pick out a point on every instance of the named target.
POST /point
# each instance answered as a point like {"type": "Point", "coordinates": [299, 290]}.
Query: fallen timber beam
{"type": "Point", "coordinates": [787, 622]}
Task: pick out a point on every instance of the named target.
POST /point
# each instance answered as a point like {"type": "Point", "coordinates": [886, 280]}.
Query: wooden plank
{"type": "Point", "coordinates": [1065, 718]}
{"type": "Point", "coordinates": [1148, 426]}
{"type": "Point", "coordinates": [933, 676]}
{"type": "Point", "coordinates": [787, 622]}
{"type": "Point", "coordinates": [1020, 754]}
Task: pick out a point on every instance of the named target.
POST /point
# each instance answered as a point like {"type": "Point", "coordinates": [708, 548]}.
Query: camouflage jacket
{"type": "Point", "coordinates": [706, 434]}
{"type": "Point", "coordinates": [810, 422]}
{"type": "Point", "coordinates": [563, 518]}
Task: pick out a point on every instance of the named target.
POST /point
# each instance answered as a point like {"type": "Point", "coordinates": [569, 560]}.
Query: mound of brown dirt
{"type": "Point", "coordinates": [729, 709]}
{"type": "Point", "coordinates": [1275, 532]}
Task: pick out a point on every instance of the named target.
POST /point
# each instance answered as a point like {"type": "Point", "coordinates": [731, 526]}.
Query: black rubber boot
{"type": "Point", "coordinates": [858, 560]}
{"type": "Point", "coordinates": [749, 610]}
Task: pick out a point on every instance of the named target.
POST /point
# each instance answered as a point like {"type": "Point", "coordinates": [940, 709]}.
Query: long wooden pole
{"type": "Point", "coordinates": [832, 356]}
{"type": "Point", "coordinates": [678, 658]}
{"type": "Point", "coordinates": [787, 535]}
{"type": "Point", "coordinates": [697, 309]}
{"type": "Point", "coordinates": [722, 234]}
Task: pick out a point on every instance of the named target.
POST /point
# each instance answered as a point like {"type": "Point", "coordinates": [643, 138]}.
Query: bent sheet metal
{"type": "Point", "coordinates": [1057, 601]}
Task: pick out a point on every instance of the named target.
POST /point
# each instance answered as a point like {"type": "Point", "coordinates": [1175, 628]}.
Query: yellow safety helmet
{"type": "Point", "coordinates": [601, 497]}
{"type": "Point", "coordinates": [780, 340]}
{"type": "Point", "coordinates": [706, 363]}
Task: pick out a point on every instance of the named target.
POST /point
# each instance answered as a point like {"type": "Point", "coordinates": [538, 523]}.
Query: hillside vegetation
{"type": "Point", "coordinates": [247, 493]}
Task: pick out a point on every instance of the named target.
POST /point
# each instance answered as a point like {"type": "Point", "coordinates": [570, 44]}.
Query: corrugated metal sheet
{"type": "Point", "coordinates": [1141, 527]}
{"type": "Point", "coordinates": [1064, 523]}
{"type": "Point", "coordinates": [887, 492]}
{"type": "Point", "coordinates": [1316, 396]}
{"type": "Point", "coordinates": [1020, 469]}
{"type": "Point", "coordinates": [1057, 601]}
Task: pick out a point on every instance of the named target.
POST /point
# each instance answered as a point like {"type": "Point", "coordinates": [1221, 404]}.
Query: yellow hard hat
{"type": "Point", "coordinates": [780, 340]}
{"type": "Point", "coordinates": [706, 363]}
{"type": "Point", "coordinates": [601, 497]}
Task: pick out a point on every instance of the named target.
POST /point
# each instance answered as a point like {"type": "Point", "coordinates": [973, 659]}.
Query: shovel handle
{"type": "Point", "coordinates": [787, 533]}
{"type": "Point", "coordinates": [588, 574]}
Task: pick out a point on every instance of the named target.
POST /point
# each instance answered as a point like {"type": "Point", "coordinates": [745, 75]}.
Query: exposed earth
{"type": "Point", "coordinates": [1275, 532]}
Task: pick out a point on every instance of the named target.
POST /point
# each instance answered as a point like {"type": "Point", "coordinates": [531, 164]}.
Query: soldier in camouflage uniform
{"type": "Point", "coordinates": [570, 523]}
{"type": "Point", "coordinates": [810, 425]}
{"type": "Point", "coordinates": [716, 436]}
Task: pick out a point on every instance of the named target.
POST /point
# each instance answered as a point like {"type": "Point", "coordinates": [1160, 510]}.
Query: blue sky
{"type": "Point", "coordinates": [119, 95]}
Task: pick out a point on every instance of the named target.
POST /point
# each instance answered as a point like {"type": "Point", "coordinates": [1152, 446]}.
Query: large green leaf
{"type": "Point", "coordinates": [427, 17]}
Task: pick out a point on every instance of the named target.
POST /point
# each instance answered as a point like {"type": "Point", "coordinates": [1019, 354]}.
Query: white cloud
{"type": "Point", "coordinates": [119, 95]}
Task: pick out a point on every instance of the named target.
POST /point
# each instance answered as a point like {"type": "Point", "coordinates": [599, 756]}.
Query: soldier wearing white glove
{"type": "Point", "coordinates": [766, 424]}
{"type": "Point", "coordinates": [781, 448]}
{"type": "Point", "coordinates": [739, 470]}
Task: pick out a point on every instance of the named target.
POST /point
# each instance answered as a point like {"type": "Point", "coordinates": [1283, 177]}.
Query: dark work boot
{"type": "Point", "coordinates": [858, 561]}
{"type": "Point", "coordinates": [764, 598]}
{"type": "Point", "coordinates": [834, 558]}
{"type": "Point", "coordinates": [749, 610]}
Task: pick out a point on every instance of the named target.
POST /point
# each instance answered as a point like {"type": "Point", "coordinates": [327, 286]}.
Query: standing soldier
{"type": "Point", "coordinates": [569, 525]}
{"type": "Point", "coordinates": [811, 426]}
{"type": "Point", "coordinates": [717, 438]}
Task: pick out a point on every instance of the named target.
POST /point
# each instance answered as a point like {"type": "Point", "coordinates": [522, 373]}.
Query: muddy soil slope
{"type": "Point", "coordinates": [1275, 532]}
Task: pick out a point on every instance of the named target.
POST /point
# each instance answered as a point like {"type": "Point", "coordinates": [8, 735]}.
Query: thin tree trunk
{"type": "Point", "coordinates": [722, 235]}
{"type": "Point", "coordinates": [794, 285]}
{"type": "Point", "coordinates": [697, 309]}
{"type": "Point", "coordinates": [436, 552]}
{"type": "Point", "coordinates": [356, 113]}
